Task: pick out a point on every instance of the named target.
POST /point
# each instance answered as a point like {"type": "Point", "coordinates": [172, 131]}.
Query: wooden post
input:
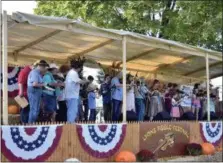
{"type": "Point", "coordinates": [5, 68]}
{"type": "Point", "coordinates": [124, 77]}
{"type": "Point", "coordinates": [208, 87]}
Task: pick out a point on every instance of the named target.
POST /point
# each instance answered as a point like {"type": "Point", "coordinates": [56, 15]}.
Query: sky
{"type": "Point", "coordinates": [28, 6]}
{"type": "Point", "coordinates": [23, 6]}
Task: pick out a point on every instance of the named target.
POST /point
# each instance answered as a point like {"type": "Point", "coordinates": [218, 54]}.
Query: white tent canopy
{"type": "Point", "coordinates": [27, 38]}
{"type": "Point", "coordinates": [32, 37]}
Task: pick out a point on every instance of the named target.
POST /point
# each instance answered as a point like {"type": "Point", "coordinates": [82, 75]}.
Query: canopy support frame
{"type": "Point", "coordinates": [16, 52]}
{"type": "Point", "coordinates": [208, 87]}
{"type": "Point", "coordinates": [1, 54]}
{"type": "Point", "coordinates": [173, 63]}
{"type": "Point", "coordinates": [124, 78]}
{"type": "Point", "coordinates": [139, 55]}
{"type": "Point", "coordinates": [203, 68]}
{"type": "Point", "coordinates": [91, 48]}
{"type": "Point", "coordinates": [5, 68]}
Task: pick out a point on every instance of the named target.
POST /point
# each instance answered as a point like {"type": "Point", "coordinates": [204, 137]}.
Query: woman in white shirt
{"type": "Point", "coordinates": [130, 96]}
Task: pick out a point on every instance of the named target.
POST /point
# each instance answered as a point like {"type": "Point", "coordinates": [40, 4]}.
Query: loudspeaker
{"type": "Point", "coordinates": [162, 116]}
{"type": "Point", "coordinates": [188, 116]}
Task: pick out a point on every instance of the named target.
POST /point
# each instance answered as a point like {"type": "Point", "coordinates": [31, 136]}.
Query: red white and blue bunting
{"type": "Point", "coordinates": [101, 141]}
{"type": "Point", "coordinates": [13, 73]}
{"type": "Point", "coordinates": [211, 132]}
{"type": "Point", "coordinates": [29, 143]}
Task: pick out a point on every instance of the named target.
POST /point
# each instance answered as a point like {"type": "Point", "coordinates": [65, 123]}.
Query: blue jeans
{"type": "Point", "coordinates": [24, 115]}
{"type": "Point", "coordinates": [80, 110]}
{"type": "Point", "coordinates": [140, 108]}
{"type": "Point", "coordinates": [34, 96]}
{"type": "Point", "coordinates": [50, 103]}
{"type": "Point", "coordinates": [72, 109]}
{"type": "Point", "coordinates": [116, 109]}
{"type": "Point", "coordinates": [92, 115]}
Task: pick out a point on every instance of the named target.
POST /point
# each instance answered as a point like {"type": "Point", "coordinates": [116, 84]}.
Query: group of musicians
{"type": "Point", "coordinates": [63, 94]}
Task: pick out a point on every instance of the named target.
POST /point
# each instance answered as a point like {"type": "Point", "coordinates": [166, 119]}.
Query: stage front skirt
{"type": "Point", "coordinates": [29, 143]}
{"type": "Point", "coordinates": [101, 141]}
{"type": "Point", "coordinates": [13, 87]}
{"type": "Point", "coordinates": [211, 132]}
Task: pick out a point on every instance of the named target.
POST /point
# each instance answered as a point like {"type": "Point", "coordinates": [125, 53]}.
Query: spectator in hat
{"type": "Point", "coordinates": [51, 91]}
{"type": "Point", "coordinates": [34, 90]}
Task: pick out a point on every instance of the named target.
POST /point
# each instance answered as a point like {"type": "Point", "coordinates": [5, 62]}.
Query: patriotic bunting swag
{"type": "Point", "coordinates": [101, 141]}
{"type": "Point", "coordinates": [13, 73]}
{"type": "Point", "coordinates": [211, 132]}
{"type": "Point", "coordinates": [29, 143]}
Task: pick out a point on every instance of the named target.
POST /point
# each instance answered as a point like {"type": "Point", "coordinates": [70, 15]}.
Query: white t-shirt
{"type": "Point", "coordinates": [72, 85]}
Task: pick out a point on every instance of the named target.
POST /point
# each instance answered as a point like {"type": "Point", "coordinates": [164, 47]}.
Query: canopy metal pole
{"type": "Point", "coordinates": [208, 87]}
{"type": "Point", "coordinates": [1, 57]}
{"type": "Point", "coordinates": [124, 77]}
{"type": "Point", "coordinates": [5, 68]}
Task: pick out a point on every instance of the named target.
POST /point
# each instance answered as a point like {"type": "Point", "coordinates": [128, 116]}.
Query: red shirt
{"type": "Point", "coordinates": [23, 77]}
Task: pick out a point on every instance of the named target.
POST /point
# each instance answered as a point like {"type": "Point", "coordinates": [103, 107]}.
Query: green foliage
{"type": "Point", "coordinates": [193, 149]}
{"type": "Point", "coordinates": [196, 23]}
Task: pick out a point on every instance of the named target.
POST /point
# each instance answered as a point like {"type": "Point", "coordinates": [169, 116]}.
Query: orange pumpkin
{"type": "Point", "coordinates": [125, 156]}
{"type": "Point", "coordinates": [208, 149]}
{"type": "Point", "coordinates": [13, 109]}
{"type": "Point", "coordinates": [219, 149]}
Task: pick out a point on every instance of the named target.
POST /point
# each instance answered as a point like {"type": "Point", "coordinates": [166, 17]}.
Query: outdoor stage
{"type": "Point", "coordinates": [101, 142]}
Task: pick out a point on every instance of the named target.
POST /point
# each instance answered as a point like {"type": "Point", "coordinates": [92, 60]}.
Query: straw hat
{"type": "Point", "coordinates": [36, 63]}
{"type": "Point", "coordinates": [91, 87]}
{"type": "Point", "coordinates": [53, 66]}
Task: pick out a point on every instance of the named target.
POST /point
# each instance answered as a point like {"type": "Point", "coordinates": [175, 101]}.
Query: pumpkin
{"type": "Point", "coordinates": [72, 160]}
{"type": "Point", "coordinates": [208, 149]}
{"type": "Point", "coordinates": [13, 109]}
{"type": "Point", "coordinates": [219, 149]}
{"type": "Point", "coordinates": [125, 156]}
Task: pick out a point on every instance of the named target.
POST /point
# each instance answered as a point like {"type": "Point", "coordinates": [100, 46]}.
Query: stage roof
{"type": "Point", "coordinates": [32, 37]}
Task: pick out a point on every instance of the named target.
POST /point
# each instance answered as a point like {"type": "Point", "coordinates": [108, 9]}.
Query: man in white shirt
{"type": "Point", "coordinates": [72, 89]}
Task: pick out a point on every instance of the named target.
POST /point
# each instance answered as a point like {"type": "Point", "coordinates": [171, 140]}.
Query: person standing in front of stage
{"type": "Point", "coordinates": [117, 94]}
{"type": "Point", "coordinates": [106, 95]}
{"type": "Point", "coordinates": [72, 89]}
{"type": "Point", "coordinates": [34, 91]}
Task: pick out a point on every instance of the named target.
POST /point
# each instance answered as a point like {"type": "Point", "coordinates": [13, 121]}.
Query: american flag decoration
{"type": "Point", "coordinates": [13, 73]}
{"type": "Point", "coordinates": [101, 141]}
{"type": "Point", "coordinates": [29, 143]}
{"type": "Point", "coordinates": [211, 132]}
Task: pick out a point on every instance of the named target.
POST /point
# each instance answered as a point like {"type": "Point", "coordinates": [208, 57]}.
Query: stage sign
{"type": "Point", "coordinates": [164, 139]}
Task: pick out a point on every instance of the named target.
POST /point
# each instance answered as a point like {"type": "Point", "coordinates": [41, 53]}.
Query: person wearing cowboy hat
{"type": "Point", "coordinates": [34, 89]}
{"type": "Point", "coordinates": [92, 90]}
{"type": "Point", "coordinates": [51, 91]}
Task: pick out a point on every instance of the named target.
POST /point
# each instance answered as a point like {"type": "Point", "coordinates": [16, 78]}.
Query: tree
{"type": "Point", "coordinates": [196, 23]}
